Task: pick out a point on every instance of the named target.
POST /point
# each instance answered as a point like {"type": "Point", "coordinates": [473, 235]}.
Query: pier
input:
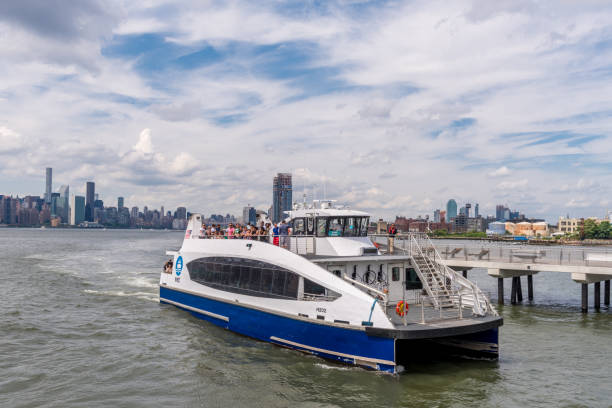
{"type": "Point", "coordinates": [503, 260]}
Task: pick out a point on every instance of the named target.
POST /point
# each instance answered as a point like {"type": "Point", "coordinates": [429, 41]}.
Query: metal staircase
{"type": "Point", "coordinates": [446, 287]}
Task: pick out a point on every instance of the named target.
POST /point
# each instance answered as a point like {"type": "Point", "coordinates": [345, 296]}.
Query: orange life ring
{"type": "Point", "coordinates": [401, 308]}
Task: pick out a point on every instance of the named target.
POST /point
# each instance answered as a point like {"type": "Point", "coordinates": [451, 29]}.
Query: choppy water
{"type": "Point", "coordinates": [81, 326]}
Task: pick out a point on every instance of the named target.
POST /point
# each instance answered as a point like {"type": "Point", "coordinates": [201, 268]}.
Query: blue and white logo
{"type": "Point", "coordinates": [179, 266]}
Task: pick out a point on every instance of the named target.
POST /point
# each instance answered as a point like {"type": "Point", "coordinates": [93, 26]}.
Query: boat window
{"type": "Point", "coordinates": [365, 222]}
{"type": "Point", "coordinates": [314, 291]}
{"type": "Point", "coordinates": [321, 226]}
{"type": "Point", "coordinates": [351, 226]}
{"type": "Point", "coordinates": [310, 226]}
{"type": "Point", "coordinates": [395, 273]}
{"type": "Point", "coordinates": [412, 279]}
{"type": "Point", "coordinates": [298, 226]}
{"type": "Point", "coordinates": [245, 276]}
{"type": "Point", "coordinates": [335, 227]}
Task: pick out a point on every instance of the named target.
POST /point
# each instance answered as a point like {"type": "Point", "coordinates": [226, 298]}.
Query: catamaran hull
{"type": "Point", "coordinates": [352, 346]}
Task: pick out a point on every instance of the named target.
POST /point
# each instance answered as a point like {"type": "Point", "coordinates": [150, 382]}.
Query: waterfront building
{"type": "Point", "coordinates": [496, 228]}
{"type": "Point", "coordinates": [77, 210]}
{"type": "Point", "coordinates": [570, 225]}
{"type": "Point", "coordinates": [249, 215]}
{"type": "Point", "coordinates": [8, 210]}
{"type": "Point", "coordinates": [55, 204]}
{"type": "Point", "coordinates": [48, 184]}
{"type": "Point", "coordinates": [120, 203]}
{"type": "Point", "coordinates": [460, 223]}
{"type": "Point", "coordinates": [499, 212]}
{"type": "Point", "coordinates": [468, 206]}
{"type": "Point", "coordinates": [64, 203]}
{"type": "Point", "coordinates": [451, 210]}
{"type": "Point", "coordinates": [442, 216]}
{"type": "Point", "coordinates": [476, 211]}
{"type": "Point", "coordinates": [281, 196]}
{"type": "Point", "coordinates": [528, 229]}
{"type": "Point", "coordinates": [437, 216]}
{"type": "Point", "coordinates": [89, 200]}
{"type": "Point", "coordinates": [181, 213]}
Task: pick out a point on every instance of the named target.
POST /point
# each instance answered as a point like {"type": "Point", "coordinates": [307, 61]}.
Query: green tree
{"type": "Point", "coordinates": [603, 230]}
{"type": "Point", "coordinates": [590, 229]}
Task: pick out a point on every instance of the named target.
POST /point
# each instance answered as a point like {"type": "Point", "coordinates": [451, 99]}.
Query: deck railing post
{"type": "Point", "coordinates": [422, 310]}
{"type": "Point", "coordinates": [460, 308]}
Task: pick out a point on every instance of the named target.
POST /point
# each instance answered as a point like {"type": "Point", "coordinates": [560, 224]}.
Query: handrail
{"type": "Point", "coordinates": [363, 285]}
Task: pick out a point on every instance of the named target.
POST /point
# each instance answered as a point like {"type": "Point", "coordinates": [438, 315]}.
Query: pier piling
{"type": "Point", "coordinates": [500, 291]}
{"type": "Point", "coordinates": [596, 295]}
{"type": "Point", "coordinates": [530, 287]}
{"type": "Point", "coordinates": [519, 290]}
{"type": "Point", "coordinates": [585, 298]}
{"type": "Point", "coordinates": [607, 293]}
{"type": "Point", "coordinates": [513, 292]}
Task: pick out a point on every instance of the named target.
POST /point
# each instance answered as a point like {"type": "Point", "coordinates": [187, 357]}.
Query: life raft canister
{"type": "Point", "coordinates": [401, 308]}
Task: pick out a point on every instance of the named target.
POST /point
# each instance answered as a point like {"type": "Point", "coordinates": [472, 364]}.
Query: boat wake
{"type": "Point", "coordinates": [139, 295]}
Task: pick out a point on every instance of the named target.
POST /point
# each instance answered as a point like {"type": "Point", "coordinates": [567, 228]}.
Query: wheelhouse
{"type": "Point", "coordinates": [331, 226]}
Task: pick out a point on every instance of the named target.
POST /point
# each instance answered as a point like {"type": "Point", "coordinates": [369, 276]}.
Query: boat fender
{"type": "Point", "coordinates": [401, 308]}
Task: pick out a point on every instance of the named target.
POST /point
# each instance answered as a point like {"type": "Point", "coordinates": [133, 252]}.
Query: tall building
{"type": "Point", "coordinates": [437, 216]}
{"type": "Point", "coordinates": [476, 211]}
{"type": "Point", "coordinates": [467, 209]}
{"type": "Point", "coordinates": [89, 200]}
{"type": "Point", "coordinates": [281, 196]}
{"type": "Point", "coordinates": [249, 215]}
{"type": "Point", "coordinates": [499, 212]}
{"type": "Point", "coordinates": [451, 210]}
{"type": "Point", "coordinates": [119, 203]}
{"type": "Point", "coordinates": [77, 210]}
{"type": "Point", "coordinates": [63, 206]}
{"type": "Point", "coordinates": [181, 213]}
{"type": "Point", "coordinates": [48, 185]}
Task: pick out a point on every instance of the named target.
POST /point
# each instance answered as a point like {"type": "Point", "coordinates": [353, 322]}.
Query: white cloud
{"type": "Point", "coordinates": [500, 172]}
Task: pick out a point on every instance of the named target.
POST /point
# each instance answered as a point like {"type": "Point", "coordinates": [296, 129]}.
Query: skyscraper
{"type": "Point", "coordinates": [437, 216]}
{"type": "Point", "coordinates": [77, 210]}
{"type": "Point", "coordinates": [451, 210]}
{"type": "Point", "coordinates": [249, 215]}
{"type": "Point", "coordinates": [476, 211]}
{"type": "Point", "coordinates": [89, 201]}
{"type": "Point", "coordinates": [64, 203]}
{"type": "Point", "coordinates": [281, 196]}
{"type": "Point", "coordinates": [48, 186]}
{"type": "Point", "coordinates": [119, 203]}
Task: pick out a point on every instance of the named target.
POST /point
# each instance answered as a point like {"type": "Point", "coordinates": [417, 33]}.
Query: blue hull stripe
{"type": "Point", "coordinates": [345, 345]}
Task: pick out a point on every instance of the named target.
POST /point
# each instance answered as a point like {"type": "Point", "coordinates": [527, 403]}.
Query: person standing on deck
{"type": "Point", "coordinates": [392, 233]}
{"type": "Point", "coordinates": [283, 230]}
{"type": "Point", "coordinates": [275, 231]}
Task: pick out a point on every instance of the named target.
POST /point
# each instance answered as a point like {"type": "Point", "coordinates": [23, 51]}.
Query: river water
{"type": "Point", "coordinates": [81, 326]}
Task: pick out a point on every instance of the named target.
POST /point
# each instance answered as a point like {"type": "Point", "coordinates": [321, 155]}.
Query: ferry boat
{"type": "Point", "coordinates": [332, 290]}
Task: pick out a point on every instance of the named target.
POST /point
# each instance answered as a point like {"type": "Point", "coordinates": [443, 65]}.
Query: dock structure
{"type": "Point", "coordinates": [503, 260]}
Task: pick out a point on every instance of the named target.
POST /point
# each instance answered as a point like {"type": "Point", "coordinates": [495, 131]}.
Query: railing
{"type": "Point", "coordinates": [419, 244]}
{"type": "Point", "coordinates": [522, 253]}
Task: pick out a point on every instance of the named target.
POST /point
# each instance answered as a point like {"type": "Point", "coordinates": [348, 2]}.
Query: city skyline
{"type": "Point", "coordinates": [178, 105]}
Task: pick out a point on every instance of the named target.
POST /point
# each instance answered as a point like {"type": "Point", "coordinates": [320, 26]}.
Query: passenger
{"type": "Point", "coordinates": [392, 233]}
{"type": "Point", "coordinates": [230, 231]}
{"type": "Point", "coordinates": [168, 266]}
{"type": "Point", "coordinates": [275, 234]}
{"type": "Point", "coordinates": [202, 231]}
{"type": "Point", "coordinates": [283, 231]}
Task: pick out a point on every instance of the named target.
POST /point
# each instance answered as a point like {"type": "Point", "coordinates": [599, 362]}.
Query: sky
{"type": "Point", "coordinates": [391, 107]}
